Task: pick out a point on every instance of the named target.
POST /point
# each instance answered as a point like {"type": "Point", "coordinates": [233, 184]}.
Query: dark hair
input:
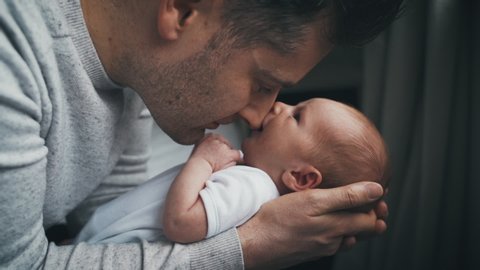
{"type": "Point", "coordinates": [280, 24]}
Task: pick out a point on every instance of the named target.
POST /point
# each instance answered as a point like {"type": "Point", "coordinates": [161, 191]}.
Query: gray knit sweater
{"type": "Point", "coordinates": [71, 139]}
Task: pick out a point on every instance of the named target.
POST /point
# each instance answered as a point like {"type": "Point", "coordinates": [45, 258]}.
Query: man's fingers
{"type": "Point", "coordinates": [380, 226]}
{"type": "Point", "coordinates": [347, 243]}
{"type": "Point", "coordinates": [353, 223]}
{"type": "Point", "coordinates": [346, 197]}
{"type": "Point", "coordinates": [381, 209]}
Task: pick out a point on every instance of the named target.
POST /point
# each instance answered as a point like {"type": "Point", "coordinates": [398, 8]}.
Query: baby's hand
{"type": "Point", "coordinates": [217, 151]}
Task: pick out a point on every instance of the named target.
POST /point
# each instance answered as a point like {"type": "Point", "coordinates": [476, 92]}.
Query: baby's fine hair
{"type": "Point", "coordinates": [351, 153]}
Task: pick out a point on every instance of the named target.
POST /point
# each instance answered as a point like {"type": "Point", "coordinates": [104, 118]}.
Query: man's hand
{"type": "Point", "coordinates": [381, 210]}
{"type": "Point", "coordinates": [307, 225]}
{"type": "Point", "coordinates": [217, 151]}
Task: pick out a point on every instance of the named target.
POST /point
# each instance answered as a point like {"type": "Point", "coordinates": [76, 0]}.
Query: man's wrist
{"type": "Point", "coordinates": [253, 258]}
{"type": "Point", "coordinates": [222, 251]}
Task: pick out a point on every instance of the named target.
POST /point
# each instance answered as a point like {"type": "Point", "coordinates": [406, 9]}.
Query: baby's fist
{"type": "Point", "coordinates": [217, 151]}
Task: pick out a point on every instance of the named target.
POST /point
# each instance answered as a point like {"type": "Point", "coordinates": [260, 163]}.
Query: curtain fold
{"type": "Point", "coordinates": [422, 89]}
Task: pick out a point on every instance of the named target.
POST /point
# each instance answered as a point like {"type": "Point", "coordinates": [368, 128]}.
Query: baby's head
{"type": "Point", "coordinates": [317, 143]}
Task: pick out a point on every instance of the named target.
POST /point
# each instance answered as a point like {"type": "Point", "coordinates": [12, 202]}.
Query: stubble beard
{"type": "Point", "coordinates": [181, 96]}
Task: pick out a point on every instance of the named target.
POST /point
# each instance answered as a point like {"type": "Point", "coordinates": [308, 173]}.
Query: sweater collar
{"type": "Point", "coordinates": [80, 36]}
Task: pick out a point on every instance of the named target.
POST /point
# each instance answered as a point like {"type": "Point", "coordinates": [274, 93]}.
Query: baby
{"type": "Point", "coordinates": [318, 143]}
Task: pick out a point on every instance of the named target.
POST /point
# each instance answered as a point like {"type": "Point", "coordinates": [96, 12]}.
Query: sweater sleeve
{"type": "Point", "coordinates": [23, 159]}
{"type": "Point", "coordinates": [220, 252]}
{"type": "Point", "coordinates": [23, 182]}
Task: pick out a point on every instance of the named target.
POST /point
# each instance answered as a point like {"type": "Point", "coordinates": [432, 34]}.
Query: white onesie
{"type": "Point", "coordinates": [231, 196]}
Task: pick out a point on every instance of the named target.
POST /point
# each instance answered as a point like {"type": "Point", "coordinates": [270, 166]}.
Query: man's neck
{"type": "Point", "coordinates": [103, 23]}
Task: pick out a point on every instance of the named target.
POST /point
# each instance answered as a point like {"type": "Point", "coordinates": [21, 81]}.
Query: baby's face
{"type": "Point", "coordinates": [288, 135]}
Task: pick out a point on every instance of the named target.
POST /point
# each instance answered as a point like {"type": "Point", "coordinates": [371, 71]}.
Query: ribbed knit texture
{"type": "Point", "coordinates": [86, 51]}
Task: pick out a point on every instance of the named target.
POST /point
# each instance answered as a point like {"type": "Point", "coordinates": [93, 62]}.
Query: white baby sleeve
{"type": "Point", "coordinates": [233, 195]}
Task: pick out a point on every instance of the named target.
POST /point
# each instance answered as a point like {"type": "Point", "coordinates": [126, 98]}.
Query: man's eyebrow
{"type": "Point", "coordinates": [269, 75]}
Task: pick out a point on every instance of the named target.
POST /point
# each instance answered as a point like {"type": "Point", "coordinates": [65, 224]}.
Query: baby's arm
{"type": "Point", "coordinates": [185, 218]}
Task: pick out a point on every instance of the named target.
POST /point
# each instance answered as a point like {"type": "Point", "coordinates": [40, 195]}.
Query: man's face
{"type": "Point", "coordinates": [215, 86]}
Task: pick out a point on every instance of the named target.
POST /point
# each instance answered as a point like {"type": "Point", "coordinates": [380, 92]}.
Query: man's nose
{"type": "Point", "coordinates": [274, 111]}
{"type": "Point", "coordinates": [278, 106]}
{"type": "Point", "coordinates": [254, 114]}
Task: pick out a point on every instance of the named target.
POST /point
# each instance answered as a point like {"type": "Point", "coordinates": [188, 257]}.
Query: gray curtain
{"type": "Point", "coordinates": [422, 89]}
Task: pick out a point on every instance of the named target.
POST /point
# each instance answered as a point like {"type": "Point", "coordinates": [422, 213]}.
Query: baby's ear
{"type": "Point", "coordinates": [306, 177]}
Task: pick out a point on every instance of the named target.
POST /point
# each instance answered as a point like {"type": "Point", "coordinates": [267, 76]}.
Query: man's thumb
{"type": "Point", "coordinates": [353, 195]}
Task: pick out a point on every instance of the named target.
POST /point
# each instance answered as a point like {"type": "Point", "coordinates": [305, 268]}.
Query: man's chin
{"type": "Point", "coordinates": [188, 138]}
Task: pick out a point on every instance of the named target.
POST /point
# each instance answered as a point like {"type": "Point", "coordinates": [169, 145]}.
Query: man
{"type": "Point", "coordinates": [71, 125]}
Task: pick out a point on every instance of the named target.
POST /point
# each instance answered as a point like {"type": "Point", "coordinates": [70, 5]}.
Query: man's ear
{"type": "Point", "coordinates": [173, 17]}
{"type": "Point", "coordinates": [303, 178]}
